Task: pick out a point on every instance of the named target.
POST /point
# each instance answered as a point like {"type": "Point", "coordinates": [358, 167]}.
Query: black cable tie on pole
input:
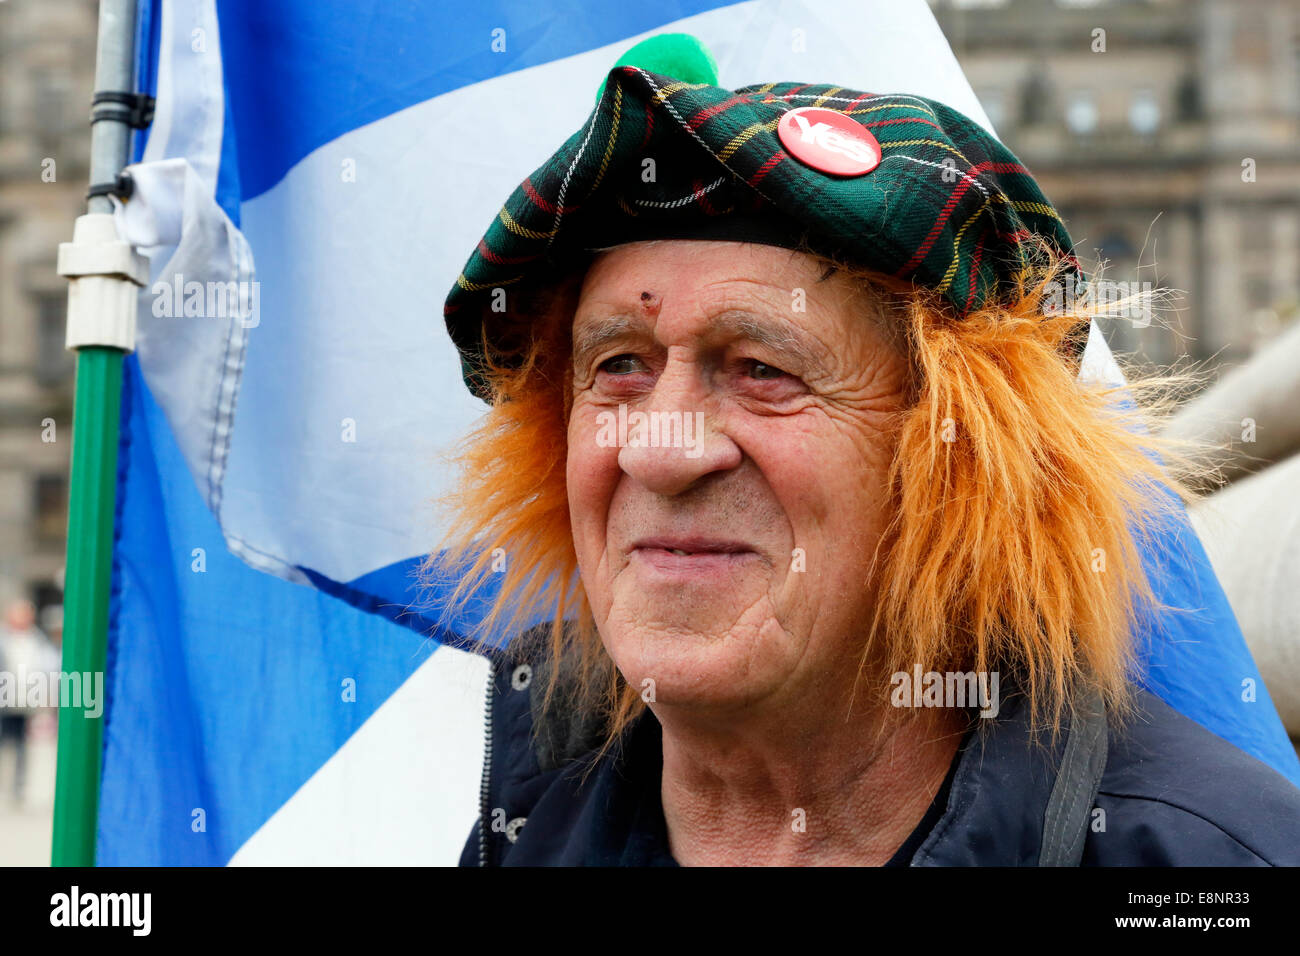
{"type": "Point", "coordinates": [122, 187]}
{"type": "Point", "coordinates": [107, 105]}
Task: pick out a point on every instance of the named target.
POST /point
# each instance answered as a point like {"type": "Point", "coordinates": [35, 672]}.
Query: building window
{"type": "Point", "coordinates": [1116, 248]}
{"type": "Point", "coordinates": [1255, 236]}
{"type": "Point", "coordinates": [1035, 99]}
{"type": "Point", "coordinates": [51, 512]}
{"type": "Point", "coordinates": [54, 363]}
{"type": "Point", "coordinates": [1081, 113]}
{"type": "Point", "coordinates": [1144, 112]}
{"type": "Point", "coordinates": [49, 121]}
{"type": "Point", "coordinates": [1188, 98]}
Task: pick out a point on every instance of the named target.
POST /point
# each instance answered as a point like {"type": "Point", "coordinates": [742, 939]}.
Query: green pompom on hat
{"type": "Point", "coordinates": [670, 54]}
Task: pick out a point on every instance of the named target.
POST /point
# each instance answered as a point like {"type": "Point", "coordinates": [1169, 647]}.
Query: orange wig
{"type": "Point", "coordinates": [1021, 499]}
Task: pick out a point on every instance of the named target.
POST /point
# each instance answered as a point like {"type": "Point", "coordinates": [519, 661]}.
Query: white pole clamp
{"type": "Point", "coordinates": [105, 275]}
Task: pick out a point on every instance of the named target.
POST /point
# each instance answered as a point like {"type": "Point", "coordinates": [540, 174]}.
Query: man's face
{"type": "Point", "coordinates": [733, 568]}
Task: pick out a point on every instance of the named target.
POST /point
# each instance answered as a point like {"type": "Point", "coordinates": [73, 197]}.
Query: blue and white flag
{"type": "Point", "coordinates": [315, 175]}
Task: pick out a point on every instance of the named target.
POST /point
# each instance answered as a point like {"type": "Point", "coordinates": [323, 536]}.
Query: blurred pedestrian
{"type": "Point", "coordinates": [24, 650]}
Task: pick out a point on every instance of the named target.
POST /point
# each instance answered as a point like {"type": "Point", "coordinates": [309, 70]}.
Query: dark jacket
{"type": "Point", "coordinates": [1164, 792]}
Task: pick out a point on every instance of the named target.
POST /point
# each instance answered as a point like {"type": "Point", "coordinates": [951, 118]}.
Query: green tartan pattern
{"type": "Point", "coordinates": [948, 207]}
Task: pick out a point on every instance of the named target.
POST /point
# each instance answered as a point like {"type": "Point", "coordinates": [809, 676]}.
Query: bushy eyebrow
{"type": "Point", "coordinates": [733, 323]}
{"type": "Point", "coordinates": [778, 336]}
{"type": "Point", "coordinates": [592, 336]}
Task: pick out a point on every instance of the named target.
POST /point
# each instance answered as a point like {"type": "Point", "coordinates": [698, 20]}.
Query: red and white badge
{"type": "Point", "coordinates": [828, 141]}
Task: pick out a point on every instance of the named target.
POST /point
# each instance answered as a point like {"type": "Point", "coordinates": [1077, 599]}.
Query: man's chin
{"type": "Point", "coordinates": [690, 610]}
{"type": "Point", "coordinates": [693, 670]}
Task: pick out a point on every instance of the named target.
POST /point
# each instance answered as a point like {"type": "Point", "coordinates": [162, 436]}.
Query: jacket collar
{"type": "Point", "coordinates": [999, 796]}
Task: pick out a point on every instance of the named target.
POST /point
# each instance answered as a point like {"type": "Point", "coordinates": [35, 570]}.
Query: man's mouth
{"type": "Point", "coordinates": [691, 546]}
{"type": "Point", "coordinates": [691, 558]}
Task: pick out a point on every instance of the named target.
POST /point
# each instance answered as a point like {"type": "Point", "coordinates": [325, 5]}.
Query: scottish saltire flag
{"type": "Point", "coordinates": [314, 178]}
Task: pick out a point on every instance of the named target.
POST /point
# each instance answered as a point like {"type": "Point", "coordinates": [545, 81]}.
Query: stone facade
{"type": "Point", "coordinates": [47, 60]}
{"type": "Point", "coordinates": [1168, 135]}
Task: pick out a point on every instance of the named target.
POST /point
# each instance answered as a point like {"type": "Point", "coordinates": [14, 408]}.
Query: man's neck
{"type": "Point", "coordinates": [847, 792]}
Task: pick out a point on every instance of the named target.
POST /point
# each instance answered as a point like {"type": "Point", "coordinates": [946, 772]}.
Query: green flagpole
{"type": "Point", "coordinates": [105, 275]}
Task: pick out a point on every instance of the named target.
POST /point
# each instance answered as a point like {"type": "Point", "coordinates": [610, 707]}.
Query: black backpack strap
{"type": "Point", "coordinates": [1069, 808]}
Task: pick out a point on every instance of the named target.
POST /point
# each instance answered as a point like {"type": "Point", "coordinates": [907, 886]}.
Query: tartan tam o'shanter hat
{"type": "Point", "coordinates": [895, 183]}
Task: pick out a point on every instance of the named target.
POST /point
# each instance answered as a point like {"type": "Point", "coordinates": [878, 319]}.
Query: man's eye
{"type": "Point", "coordinates": [621, 365]}
{"type": "Point", "coordinates": [761, 370]}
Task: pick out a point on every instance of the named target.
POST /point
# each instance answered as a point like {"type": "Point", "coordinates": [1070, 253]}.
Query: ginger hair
{"type": "Point", "coordinates": [1023, 498]}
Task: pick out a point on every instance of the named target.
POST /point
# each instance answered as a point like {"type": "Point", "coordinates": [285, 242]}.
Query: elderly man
{"type": "Point", "coordinates": [840, 558]}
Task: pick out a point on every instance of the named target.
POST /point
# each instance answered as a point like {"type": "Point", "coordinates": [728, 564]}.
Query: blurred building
{"type": "Point", "coordinates": [1167, 132]}
{"type": "Point", "coordinates": [47, 60]}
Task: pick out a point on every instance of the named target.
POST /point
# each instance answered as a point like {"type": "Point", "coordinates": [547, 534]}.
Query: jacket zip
{"type": "Point", "coordinates": [484, 815]}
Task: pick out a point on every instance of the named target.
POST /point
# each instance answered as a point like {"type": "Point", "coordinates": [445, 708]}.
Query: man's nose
{"type": "Point", "coordinates": [677, 442]}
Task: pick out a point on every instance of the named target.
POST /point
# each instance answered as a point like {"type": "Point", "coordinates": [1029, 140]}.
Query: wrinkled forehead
{"type": "Point", "coordinates": [770, 294]}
